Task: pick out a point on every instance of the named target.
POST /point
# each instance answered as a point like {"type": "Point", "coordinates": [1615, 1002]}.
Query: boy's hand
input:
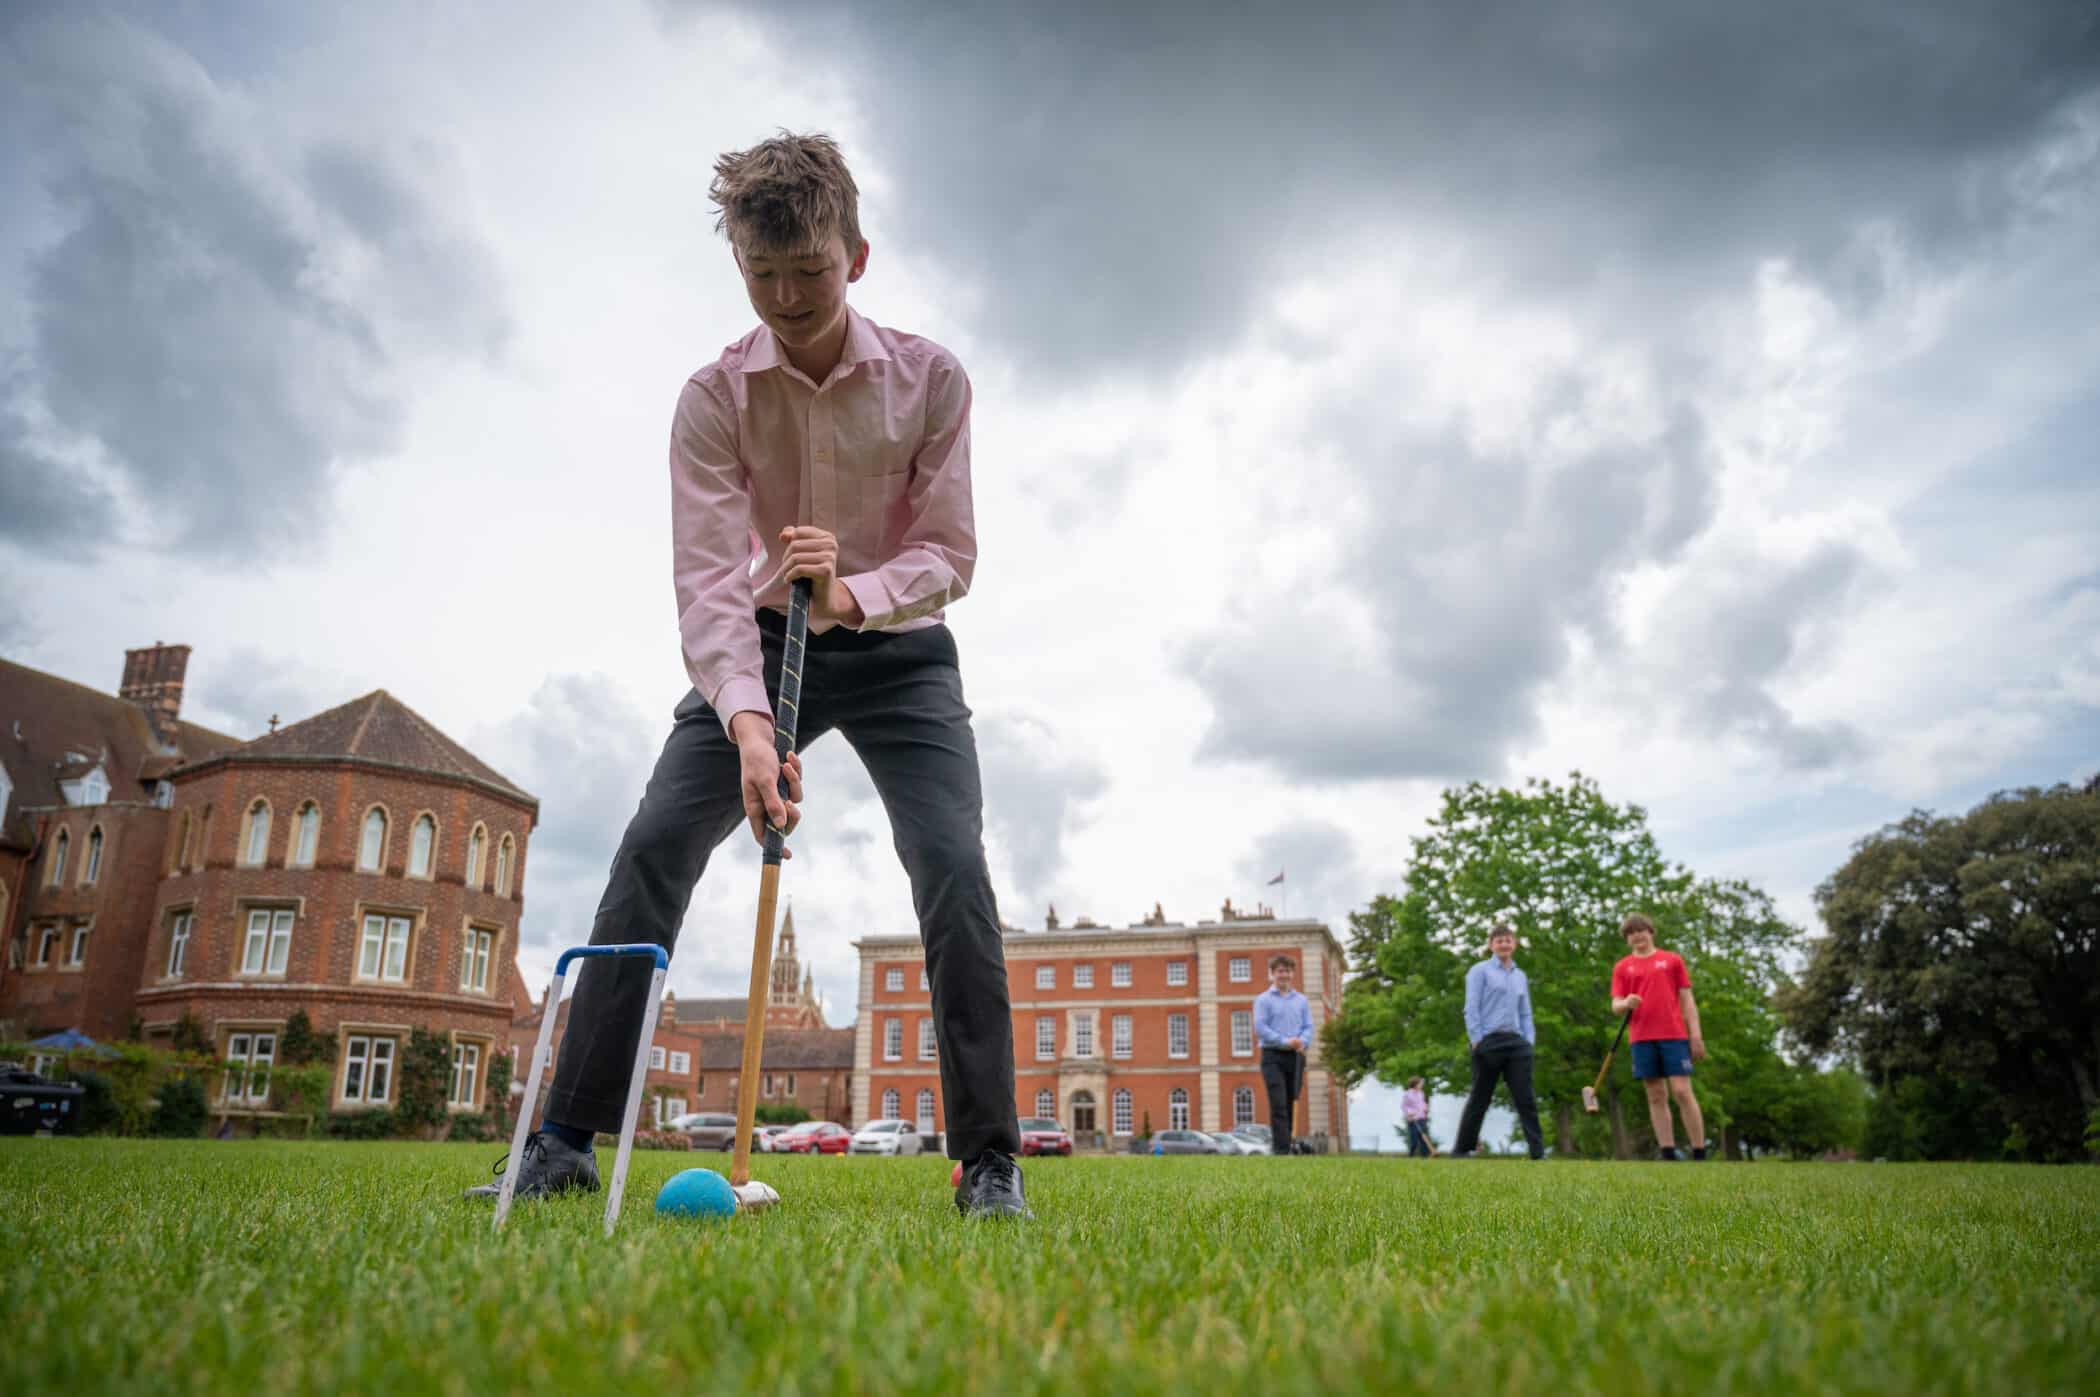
{"type": "Point", "coordinates": [761, 777]}
{"type": "Point", "coordinates": [814, 553]}
{"type": "Point", "coordinates": [1632, 1002]}
{"type": "Point", "coordinates": [1698, 1048]}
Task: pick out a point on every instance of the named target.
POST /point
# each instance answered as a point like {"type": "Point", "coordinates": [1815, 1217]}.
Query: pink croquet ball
{"type": "Point", "coordinates": [955, 1175]}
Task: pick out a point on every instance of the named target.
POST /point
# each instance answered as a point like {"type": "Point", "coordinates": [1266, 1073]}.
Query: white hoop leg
{"type": "Point", "coordinates": [634, 1101]}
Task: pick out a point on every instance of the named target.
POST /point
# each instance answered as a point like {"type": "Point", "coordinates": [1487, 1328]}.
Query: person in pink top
{"type": "Point", "coordinates": [819, 445]}
{"type": "Point", "coordinates": [1414, 1109]}
{"type": "Point", "coordinates": [1655, 988]}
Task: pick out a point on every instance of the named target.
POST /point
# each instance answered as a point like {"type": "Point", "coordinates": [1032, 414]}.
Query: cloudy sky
{"type": "Point", "coordinates": [1367, 399]}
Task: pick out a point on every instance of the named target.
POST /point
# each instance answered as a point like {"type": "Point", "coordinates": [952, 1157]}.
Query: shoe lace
{"type": "Point", "coordinates": [997, 1170]}
{"type": "Point", "coordinates": [533, 1145]}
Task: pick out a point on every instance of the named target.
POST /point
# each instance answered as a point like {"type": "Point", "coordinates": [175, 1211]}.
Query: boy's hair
{"type": "Point", "coordinates": [1636, 922]}
{"type": "Point", "coordinates": [1277, 962]}
{"type": "Point", "coordinates": [786, 195]}
{"type": "Point", "coordinates": [1415, 1082]}
{"type": "Point", "coordinates": [1501, 929]}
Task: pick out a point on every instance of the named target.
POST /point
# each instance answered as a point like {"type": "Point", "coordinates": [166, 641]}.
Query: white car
{"type": "Point", "coordinates": [886, 1137]}
{"type": "Point", "coordinates": [1228, 1143]}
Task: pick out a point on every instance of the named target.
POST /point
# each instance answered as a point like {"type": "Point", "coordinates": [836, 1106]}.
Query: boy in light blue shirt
{"type": "Point", "coordinates": [1283, 1027]}
{"type": "Point", "coordinates": [1498, 1025]}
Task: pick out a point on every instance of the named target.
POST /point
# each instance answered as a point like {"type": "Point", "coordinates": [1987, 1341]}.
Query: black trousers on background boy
{"type": "Point", "coordinates": [1508, 1056]}
{"type": "Point", "coordinates": [897, 699]}
{"type": "Point", "coordinates": [1282, 1072]}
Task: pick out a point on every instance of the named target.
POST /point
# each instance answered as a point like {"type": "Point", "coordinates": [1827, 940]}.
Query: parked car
{"type": "Point", "coordinates": [1257, 1136]}
{"type": "Point", "coordinates": [765, 1139]}
{"type": "Point", "coordinates": [888, 1136]}
{"type": "Point", "coordinates": [1042, 1135]}
{"type": "Point", "coordinates": [707, 1130]}
{"type": "Point", "coordinates": [814, 1137]}
{"type": "Point", "coordinates": [1229, 1143]}
{"type": "Point", "coordinates": [29, 1103]}
{"type": "Point", "coordinates": [1183, 1142]}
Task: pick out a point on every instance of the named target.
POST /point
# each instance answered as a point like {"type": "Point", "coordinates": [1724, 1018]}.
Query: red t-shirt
{"type": "Point", "coordinates": [1656, 978]}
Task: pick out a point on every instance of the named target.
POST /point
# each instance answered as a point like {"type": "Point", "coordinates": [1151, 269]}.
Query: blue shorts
{"type": "Point", "coordinates": [1663, 1057]}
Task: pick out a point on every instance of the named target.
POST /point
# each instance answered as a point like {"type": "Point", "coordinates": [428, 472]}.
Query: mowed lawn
{"type": "Point", "coordinates": [262, 1267]}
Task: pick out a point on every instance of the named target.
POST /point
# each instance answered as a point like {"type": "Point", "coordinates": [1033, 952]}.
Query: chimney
{"type": "Point", "coordinates": [153, 681]}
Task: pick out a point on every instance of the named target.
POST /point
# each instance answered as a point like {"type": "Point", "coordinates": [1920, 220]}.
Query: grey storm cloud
{"type": "Point", "coordinates": [1036, 788]}
{"type": "Point", "coordinates": [221, 317]}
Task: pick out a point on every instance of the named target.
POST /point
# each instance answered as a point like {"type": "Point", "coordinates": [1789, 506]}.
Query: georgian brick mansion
{"type": "Point", "coordinates": [359, 865]}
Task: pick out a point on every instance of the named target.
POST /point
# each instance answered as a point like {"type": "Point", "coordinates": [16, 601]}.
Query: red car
{"type": "Point", "coordinates": [1041, 1135]}
{"type": "Point", "coordinates": [813, 1137]}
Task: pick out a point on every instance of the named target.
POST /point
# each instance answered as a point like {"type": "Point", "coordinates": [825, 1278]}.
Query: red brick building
{"type": "Point", "coordinates": [359, 865]}
{"type": "Point", "coordinates": [1113, 1028]}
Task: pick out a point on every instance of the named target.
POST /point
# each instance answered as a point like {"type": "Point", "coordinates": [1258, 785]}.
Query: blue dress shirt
{"type": "Point", "coordinates": [1280, 1017]}
{"type": "Point", "coordinates": [1497, 1001]}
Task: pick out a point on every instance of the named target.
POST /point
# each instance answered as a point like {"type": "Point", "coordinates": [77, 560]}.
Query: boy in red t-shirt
{"type": "Point", "coordinates": [1656, 988]}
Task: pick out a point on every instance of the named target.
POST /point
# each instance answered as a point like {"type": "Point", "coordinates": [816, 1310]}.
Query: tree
{"type": "Point", "coordinates": [1963, 954]}
{"type": "Point", "coordinates": [1565, 866]}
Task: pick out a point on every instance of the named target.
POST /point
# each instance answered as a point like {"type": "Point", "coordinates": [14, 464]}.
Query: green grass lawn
{"type": "Point", "coordinates": [262, 1266]}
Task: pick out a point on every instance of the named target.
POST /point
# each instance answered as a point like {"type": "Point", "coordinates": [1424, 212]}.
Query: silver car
{"type": "Point", "coordinates": [1184, 1142]}
{"type": "Point", "coordinates": [891, 1137]}
{"type": "Point", "coordinates": [707, 1130]}
{"type": "Point", "coordinates": [1229, 1143]}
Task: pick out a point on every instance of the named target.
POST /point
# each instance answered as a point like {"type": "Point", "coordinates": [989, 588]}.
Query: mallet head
{"type": "Point", "coordinates": [755, 1197]}
{"type": "Point", "coordinates": [1589, 1100]}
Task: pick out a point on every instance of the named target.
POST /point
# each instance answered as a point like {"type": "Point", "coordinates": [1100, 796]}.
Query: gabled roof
{"type": "Point", "coordinates": [378, 730]}
{"type": "Point", "coordinates": [52, 729]}
{"type": "Point", "coordinates": [786, 1050]}
{"type": "Point", "coordinates": [709, 1010]}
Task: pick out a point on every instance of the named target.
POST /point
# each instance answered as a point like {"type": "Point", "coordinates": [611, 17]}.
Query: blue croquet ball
{"type": "Point", "coordinates": [696, 1193]}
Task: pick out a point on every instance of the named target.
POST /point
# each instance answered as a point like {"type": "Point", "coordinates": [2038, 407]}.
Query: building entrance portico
{"type": "Point", "coordinates": [1083, 1113]}
{"type": "Point", "coordinates": [1082, 1086]}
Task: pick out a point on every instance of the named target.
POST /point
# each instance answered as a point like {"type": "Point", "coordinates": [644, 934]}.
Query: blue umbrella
{"type": "Point", "coordinates": [70, 1040]}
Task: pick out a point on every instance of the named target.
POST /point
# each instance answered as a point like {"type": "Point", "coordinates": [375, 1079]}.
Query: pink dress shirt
{"type": "Point", "coordinates": [878, 455]}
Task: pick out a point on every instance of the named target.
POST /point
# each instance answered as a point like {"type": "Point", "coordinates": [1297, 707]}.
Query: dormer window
{"type": "Point", "coordinates": [94, 788]}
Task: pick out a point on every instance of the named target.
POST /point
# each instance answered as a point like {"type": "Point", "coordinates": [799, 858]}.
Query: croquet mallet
{"type": "Point", "coordinates": [1589, 1093]}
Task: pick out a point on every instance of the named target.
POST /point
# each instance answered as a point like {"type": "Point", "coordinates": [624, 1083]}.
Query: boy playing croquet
{"type": "Point", "coordinates": [819, 445]}
{"type": "Point", "coordinates": [1664, 1032]}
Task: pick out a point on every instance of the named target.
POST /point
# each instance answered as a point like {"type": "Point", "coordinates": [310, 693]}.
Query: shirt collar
{"type": "Point", "coordinates": [863, 346]}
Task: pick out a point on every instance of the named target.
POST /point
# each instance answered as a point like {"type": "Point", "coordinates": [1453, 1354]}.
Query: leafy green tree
{"type": "Point", "coordinates": [1961, 969]}
{"type": "Point", "coordinates": [1565, 866]}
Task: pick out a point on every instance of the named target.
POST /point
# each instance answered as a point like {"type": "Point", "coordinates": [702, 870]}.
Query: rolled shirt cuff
{"type": "Point", "coordinates": [741, 694]}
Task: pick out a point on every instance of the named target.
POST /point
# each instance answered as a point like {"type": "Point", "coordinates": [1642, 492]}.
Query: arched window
{"type": "Point", "coordinates": [892, 1103]}
{"type": "Point", "coordinates": [203, 837]}
{"type": "Point", "coordinates": [181, 855]}
{"type": "Point", "coordinates": [371, 849]}
{"type": "Point", "coordinates": [422, 839]}
{"type": "Point", "coordinates": [1242, 1106]}
{"type": "Point", "coordinates": [1119, 1111]}
{"type": "Point", "coordinates": [92, 869]}
{"type": "Point", "coordinates": [926, 1110]}
{"type": "Point", "coordinates": [54, 874]}
{"type": "Point", "coordinates": [477, 849]}
{"type": "Point", "coordinates": [306, 836]}
{"type": "Point", "coordinates": [503, 867]}
{"type": "Point", "coordinates": [255, 844]}
{"type": "Point", "coordinates": [1178, 1109]}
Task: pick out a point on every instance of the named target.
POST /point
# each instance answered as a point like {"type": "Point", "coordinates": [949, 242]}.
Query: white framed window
{"type": "Point", "coordinates": [371, 845]}
{"type": "Point", "coordinates": [503, 857]}
{"type": "Point", "coordinates": [368, 1069]}
{"type": "Point", "coordinates": [1242, 1106]}
{"type": "Point", "coordinates": [1045, 1102]}
{"type": "Point", "coordinates": [924, 983]}
{"type": "Point", "coordinates": [55, 867]}
{"type": "Point", "coordinates": [477, 855]}
{"type": "Point", "coordinates": [1045, 1040]}
{"type": "Point", "coordinates": [466, 1070]}
{"type": "Point", "coordinates": [1177, 973]}
{"type": "Point", "coordinates": [1178, 1109]}
{"type": "Point", "coordinates": [1046, 977]}
{"type": "Point", "coordinates": [669, 1108]}
{"type": "Point", "coordinates": [422, 846]}
{"type": "Point", "coordinates": [306, 835]}
{"type": "Point", "coordinates": [382, 953]}
{"type": "Point", "coordinates": [926, 1110]}
{"type": "Point", "coordinates": [1119, 1112]}
{"type": "Point", "coordinates": [94, 788]}
{"type": "Point", "coordinates": [1119, 975]}
{"type": "Point", "coordinates": [791, 1085]}
{"type": "Point", "coordinates": [92, 869]}
{"type": "Point", "coordinates": [681, 1063]}
{"type": "Point", "coordinates": [1243, 1033]}
{"type": "Point", "coordinates": [893, 1040]}
{"type": "Point", "coordinates": [1119, 1036]}
{"type": "Point", "coordinates": [474, 960]}
{"type": "Point", "coordinates": [269, 941]}
{"type": "Point", "coordinates": [927, 1051]}
{"type": "Point", "coordinates": [248, 1059]}
{"type": "Point", "coordinates": [1177, 1035]}
{"type": "Point", "coordinates": [765, 1085]}
{"type": "Point", "coordinates": [255, 845]}
{"type": "Point", "coordinates": [1239, 970]}
{"type": "Point", "coordinates": [893, 981]}
{"type": "Point", "coordinates": [892, 1104]}
{"type": "Point", "coordinates": [1082, 1035]}
{"type": "Point", "coordinates": [46, 942]}
{"type": "Point", "coordinates": [656, 1057]}
{"type": "Point", "coordinates": [77, 955]}
{"type": "Point", "coordinates": [1082, 977]}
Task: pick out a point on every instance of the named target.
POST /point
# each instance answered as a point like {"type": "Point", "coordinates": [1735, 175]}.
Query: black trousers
{"type": "Point", "coordinates": [1283, 1073]}
{"type": "Point", "coordinates": [1508, 1056]}
{"type": "Point", "coordinates": [898, 701]}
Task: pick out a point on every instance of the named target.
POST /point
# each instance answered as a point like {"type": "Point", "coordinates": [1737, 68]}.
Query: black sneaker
{"type": "Point", "coordinates": [549, 1167]}
{"type": "Point", "coordinates": [991, 1188]}
{"type": "Point", "coordinates": [1670, 1154]}
{"type": "Point", "coordinates": [1700, 1153]}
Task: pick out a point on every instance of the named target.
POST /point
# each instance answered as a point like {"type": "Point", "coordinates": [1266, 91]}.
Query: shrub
{"type": "Point", "coordinates": [470, 1127]}
{"type": "Point", "coordinates": [182, 1109]}
{"type": "Point", "coordinates": [300, 1045]}
{"type": "Point", "coordinates": [499, 1090]}
{"type": "Point", "coordinates": [302, 1093]}
{"type": "Point", "coordinates": [426, 1080]}
{"type": "Point", "coordinates": [787, 1113]}
{"type": "Point", "coordinates": [190, 1037]}
{"type": "Point", "coordinates": [662, 1140]}
{"type": "Point", "coordinates": [376, 1124]}
{"type": "Point", "coordinates": [98, 1104]}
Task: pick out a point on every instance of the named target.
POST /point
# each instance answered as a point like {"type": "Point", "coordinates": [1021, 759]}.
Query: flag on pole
{"type": "Point", "coordinates": [1277, 879]}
